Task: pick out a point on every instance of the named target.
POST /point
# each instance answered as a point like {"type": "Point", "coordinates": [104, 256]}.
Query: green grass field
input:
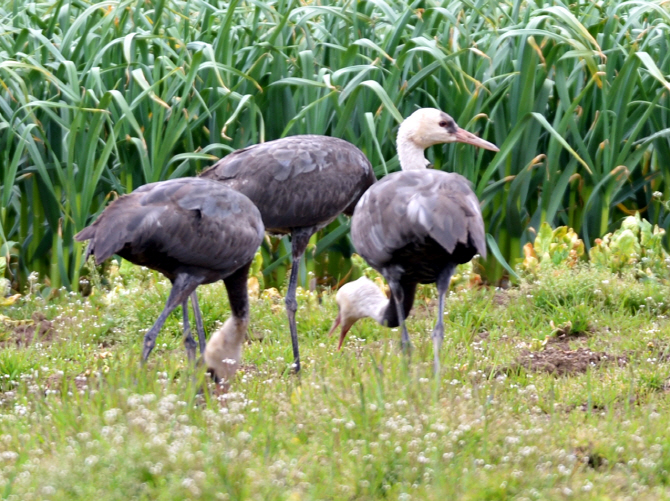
{"type": "Point", "coordinates": [554, 389]}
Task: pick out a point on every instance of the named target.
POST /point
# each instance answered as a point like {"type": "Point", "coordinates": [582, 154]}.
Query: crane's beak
{"type": "Point", "coordinates": [463, 136]}
{"type": "Point", "coordinates": [343, 334]}
{"type": "Point", "coordinates": [337, 321]}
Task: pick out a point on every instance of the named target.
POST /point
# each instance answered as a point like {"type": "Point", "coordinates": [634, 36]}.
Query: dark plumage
{"type": "Point", "coordinates": [300, 184]}
{"type": "Point", "coordinates": [413, 227]}
{"type": "Point", "coordinates": [413, 215]}
{"type": "Point", "coordinates": [194, 231]}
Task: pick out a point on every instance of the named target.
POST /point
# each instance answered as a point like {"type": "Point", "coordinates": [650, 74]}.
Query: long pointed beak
{"type": "Point", "coordinates": [337, 321]}
{"type": "Point", "coordinates": [463, 136]}
{"type": "Point", "coordinates": [343, 334]}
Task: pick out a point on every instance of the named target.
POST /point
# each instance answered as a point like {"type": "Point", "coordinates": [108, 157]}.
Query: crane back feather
{"type": "Point", "coordinates": [297, 181]}
{"type": "Point", "coordinates": [432, 214]}
{"type": "Point", "coordinates": [182, 224]}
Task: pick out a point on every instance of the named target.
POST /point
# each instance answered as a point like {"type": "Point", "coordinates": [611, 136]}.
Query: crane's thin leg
{"type": "Point", "coordinates": [182, 287]}
{"type": "Point", "coordinates": [443, 282]}
{"type": "Point", "coordinates": [299, 240]}
{"type": "Point", "coordinates": [189, 342]}
{"type": "Point", "coordinates": [399, 297]}
{"type": "Point", "coordinates": [202, 342]}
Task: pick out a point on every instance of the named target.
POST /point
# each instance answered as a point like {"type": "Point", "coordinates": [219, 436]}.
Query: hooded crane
{"type": "Point", "coordinates": [194, 231]}
{"type": "Point", "coordinates": [413, 227]}
{"type": "Point", "coordinates": [300, 184]}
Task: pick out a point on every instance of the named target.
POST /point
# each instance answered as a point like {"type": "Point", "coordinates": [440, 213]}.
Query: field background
{"type": "Point", "coordinates": [553, 389]}
{"type": "Point", "coordinates": [98, 98]}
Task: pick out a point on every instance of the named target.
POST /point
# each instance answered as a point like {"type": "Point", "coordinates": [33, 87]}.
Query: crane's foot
{"type": "Point", "coordinates": [146, 351]}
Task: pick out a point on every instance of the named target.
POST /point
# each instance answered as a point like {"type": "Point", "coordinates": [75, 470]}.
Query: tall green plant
{"type": "Point", "coordinates": [97, 99]}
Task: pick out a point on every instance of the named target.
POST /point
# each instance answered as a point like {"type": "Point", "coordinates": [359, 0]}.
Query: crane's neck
{"type": "Point", "coordinates": [410, 154]}
{"type": "Point", "coordinates": [224, 349]}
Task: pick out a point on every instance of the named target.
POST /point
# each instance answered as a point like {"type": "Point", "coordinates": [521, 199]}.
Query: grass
{"type": "Point", "coordinates": [80, 419]}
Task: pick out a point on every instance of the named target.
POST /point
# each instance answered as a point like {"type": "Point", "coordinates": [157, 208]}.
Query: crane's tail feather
{"type": "Point", "coordinates": [89, 233]}
{"type": "Point", "coordinates": [86, 234]}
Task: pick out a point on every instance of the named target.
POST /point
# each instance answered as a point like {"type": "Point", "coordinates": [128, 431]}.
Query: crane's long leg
{"type": "Point", "coordinates": [189, 342]}
{"type": "Point", "coordinates": [443, 282]}
{"type": "Point", "coordinates": [299, 240]}
{"type": "Point", "coordinates": [399, 297]}
{"type": "Point", "coordinates": [202, 342]}
{"type": "Point", "coordinates": [182, 287]}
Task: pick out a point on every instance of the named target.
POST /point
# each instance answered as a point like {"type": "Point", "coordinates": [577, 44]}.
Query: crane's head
{"type": "Point", "coordinates": [355, 300]}
{"type": "Point", "coordinates": [430, 126]}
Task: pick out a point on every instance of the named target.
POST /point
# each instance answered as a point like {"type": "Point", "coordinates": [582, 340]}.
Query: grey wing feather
{"type": "Point", "coordinates": [297, 181]}
{"type": "Point", "coordinates": [192, 221]}
{"type": "Point", "coordinates": [106, 237]}
{"type": "Point", "coordinates": [410, 206]}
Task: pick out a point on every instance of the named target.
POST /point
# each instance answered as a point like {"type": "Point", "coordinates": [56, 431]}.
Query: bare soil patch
{"type": "Point", "coordinates": [561, 362]}
{"type": "Point", "coordinates": [23, 334]}
{"type": "Point", "coordinates": [501, 298]}
{"type": "Point", "coordinates": [563, 335]}
{"type": "Point", "coordinates": [590, 457]}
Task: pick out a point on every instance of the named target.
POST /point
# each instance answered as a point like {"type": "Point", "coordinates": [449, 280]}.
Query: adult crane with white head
{"type": "Point", "coordinates": [414, 227]}
{"type": "Point", "coordinates": [194, 231]}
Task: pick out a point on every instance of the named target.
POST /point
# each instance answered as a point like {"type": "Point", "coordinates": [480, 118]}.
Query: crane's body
{"type": "Point", "coordinates": [300, 184]}
{"type": "Point", "coordinates": [193, 231]}
{"type": "Point", "coordinates": [419, 220]}
{"type": "Point", "coordinates": [414, 227]}
{"type": "Point", "coordinates": [298, 181]}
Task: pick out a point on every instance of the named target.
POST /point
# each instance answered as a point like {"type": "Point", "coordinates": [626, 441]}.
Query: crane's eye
{"type": "Point", "coordinates": [442, 123]}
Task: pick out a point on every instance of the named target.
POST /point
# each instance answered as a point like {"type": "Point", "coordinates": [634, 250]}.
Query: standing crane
{"type": "Point", "coordinates": [413, 227]}
{"type": "Point", "coordinates": [194, 231]}
{"type": "Point", "coordinates": [300, 184]}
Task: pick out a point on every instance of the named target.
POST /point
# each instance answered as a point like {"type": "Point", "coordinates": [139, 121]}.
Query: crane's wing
{"type": "Point", "coordinates": [407, 207]}
{"type": "Point", "coordinates": [190, 221]}
{"type": "Point", "coordinates": [297, 181]}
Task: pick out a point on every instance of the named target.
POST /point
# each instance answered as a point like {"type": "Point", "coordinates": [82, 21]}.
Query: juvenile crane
{"type": "Point", "coordinates": [413, 227]}
{"type": "Point", "coordinates": [194, 231]}
{"type": "Point", "coordinates": [300, 184]}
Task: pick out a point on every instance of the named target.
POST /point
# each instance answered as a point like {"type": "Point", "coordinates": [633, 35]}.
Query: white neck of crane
{"type": "Point", "coordinates": [411, 155]}
{"type": "Point", "coordinates": [224, 349]}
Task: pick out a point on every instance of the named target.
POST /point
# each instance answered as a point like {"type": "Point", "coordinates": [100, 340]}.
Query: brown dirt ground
{"type": "Point", "coordinates": [40, 329]}
{"type": "Point", "coordinates": [560, 361]}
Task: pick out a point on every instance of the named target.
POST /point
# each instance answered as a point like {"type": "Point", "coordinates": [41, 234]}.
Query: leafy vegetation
{"type": "Point", "coordinates": [636, 247]}
{"type": "Point", "coordinates": [554, 389]}
{"type": "Point", "coordinates": [99, 98]}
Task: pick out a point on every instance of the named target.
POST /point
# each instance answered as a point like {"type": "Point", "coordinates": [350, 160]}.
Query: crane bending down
{"type": "Point", "coordinates": [300, 184]}
{"type": "Point", "coordinates": [194, 231]}
{"type": "Point", "coordinates": [413, 227]}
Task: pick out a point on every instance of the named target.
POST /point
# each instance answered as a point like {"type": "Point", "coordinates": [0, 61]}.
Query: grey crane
{"type": "Point", "coordinates": [300, 184]}
{"type": "Point", "coordinates": [194, 231]}
{"type": "Point", "coordinates": [413, 227]}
